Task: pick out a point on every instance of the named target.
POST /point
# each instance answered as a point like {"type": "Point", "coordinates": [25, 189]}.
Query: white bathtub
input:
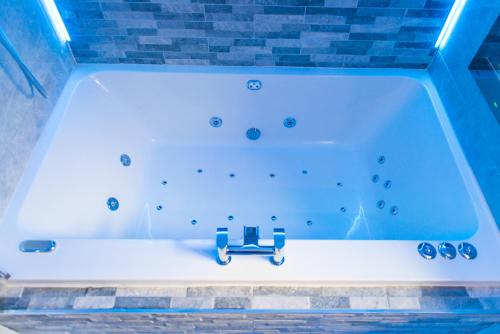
{"type": "Point", "coordinates": [323, 180]}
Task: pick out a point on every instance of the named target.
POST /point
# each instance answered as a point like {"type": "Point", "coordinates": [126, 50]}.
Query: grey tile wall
{"type": "Point", "coordinates": [253, 297]}
{"type": "Point", "coordinates": [250, 309]}
{"type": "Point", "coordinates": [23, 113]}
{"type": "Point", "coordinates": [474, 124]}
{"type": "Point", "coordinates": [323, 33]}
{"type": "Point", "coordinates": [241, 323]}
{"type": "Point", "coordinates": [488, 55]}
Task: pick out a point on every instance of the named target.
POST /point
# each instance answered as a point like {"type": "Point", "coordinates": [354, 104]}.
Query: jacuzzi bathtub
{"type": "Point", "coordinates": [131, 179]}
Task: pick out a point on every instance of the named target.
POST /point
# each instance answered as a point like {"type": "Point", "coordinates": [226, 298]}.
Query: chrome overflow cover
{"type": "Point", "coordinates": [447, 250]}
{"type": "Point", "coordinates": [254, 84]}
{"type": "Point", "coordinates": [467, 251]}
{"type": "Point", "coordinates": [427, 251]}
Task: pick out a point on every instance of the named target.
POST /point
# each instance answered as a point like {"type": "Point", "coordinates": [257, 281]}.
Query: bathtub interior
{"type": "Point", "coordinates": [367, 160]}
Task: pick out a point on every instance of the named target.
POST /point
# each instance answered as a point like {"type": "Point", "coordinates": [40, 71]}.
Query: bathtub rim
{"type": "Point", "coordinates": [487, 231]}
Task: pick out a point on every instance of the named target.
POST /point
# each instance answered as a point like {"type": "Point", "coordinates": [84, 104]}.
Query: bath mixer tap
{"type": "Point", "coordinates": [250, 245]}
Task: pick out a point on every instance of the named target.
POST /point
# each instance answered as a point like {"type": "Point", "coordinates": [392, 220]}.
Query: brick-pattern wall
{"type": "Point", "coordinates": [253, 297]}
{"type": "Point", "coordinates": [242, 323]}
{"type": "Point", "coordinates": [488, 55]}
{"type": "Point", "coordinates": [312, 33]}
{"type": "Point", "coordinates": [251, 309]}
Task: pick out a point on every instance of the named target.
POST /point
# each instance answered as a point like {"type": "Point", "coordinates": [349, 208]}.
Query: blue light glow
{"type": "Point", "coordinates": [450, 23]}
{"type": "Point", "coordinates": [56, 20]}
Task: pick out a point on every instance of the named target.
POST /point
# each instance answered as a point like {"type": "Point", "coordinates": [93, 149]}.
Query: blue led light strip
{"type": "Point", "coordinates": [56, 20]}
{"type": "Point", "coordinates": [450, 23]}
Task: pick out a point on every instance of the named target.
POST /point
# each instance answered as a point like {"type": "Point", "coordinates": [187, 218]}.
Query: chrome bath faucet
{"type": "Point", "coordinates": [250, 245]}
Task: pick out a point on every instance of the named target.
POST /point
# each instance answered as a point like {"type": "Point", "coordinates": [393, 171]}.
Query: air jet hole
{"type": "Point", "coordinates": [125, 160]}
{"type": "Point", "coordinates": [394, 210]}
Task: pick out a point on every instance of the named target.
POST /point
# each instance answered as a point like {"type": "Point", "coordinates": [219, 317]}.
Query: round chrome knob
{"type": "Point", "coordinates": [447, 250]}
{"type": "Point", "coordinates": [427, 251]}
{"type": "Point", "coordinates": [467, 251]}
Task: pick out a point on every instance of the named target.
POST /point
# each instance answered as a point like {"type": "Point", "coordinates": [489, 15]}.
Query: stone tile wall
{"type": "Point", "coordinates": [474, 124]}
{"type": "Point", "coordinates": [23, 113]}
{"type": "Point", "coordinates": [250, 309]}
{"type": "Point", "coordinates": [326, 33]}
{"type": "Point", "coordinates": [241, 323]}
{"type": "Point", "coordinates": [488, 56]}
{"type": "Point", "coordinates": [415, 298]}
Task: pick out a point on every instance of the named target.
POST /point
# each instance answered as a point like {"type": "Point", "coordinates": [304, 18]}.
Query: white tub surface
{"type": "Point", "coordinates": [361, 137]}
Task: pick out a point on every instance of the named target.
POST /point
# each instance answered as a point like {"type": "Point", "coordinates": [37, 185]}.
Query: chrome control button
{"type": "Point", "coordinates": [427, 251]}
{"type": "Point", "coordinates": [447, 250]}
{"type": "Point", "coordinates": [467, 251]}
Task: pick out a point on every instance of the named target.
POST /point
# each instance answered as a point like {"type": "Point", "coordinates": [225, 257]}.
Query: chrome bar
{"type": "Point", "coordinates": [250, 245]}
{"type": "Point", "coordinates": [33, 82]}
{"type": "Point", "coordinates": [37, 246]}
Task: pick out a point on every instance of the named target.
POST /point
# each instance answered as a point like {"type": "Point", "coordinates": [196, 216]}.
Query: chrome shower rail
{"type": "Point", "coordinates": [33, 82]}
{"type": "Point", "coordinates": [250, 245]}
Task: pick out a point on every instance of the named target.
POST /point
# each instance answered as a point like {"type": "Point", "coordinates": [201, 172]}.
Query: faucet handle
{"type": "Point", "coordinates": [222, 241]}
{"type": "Point", "coordinates": [279, 246]}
